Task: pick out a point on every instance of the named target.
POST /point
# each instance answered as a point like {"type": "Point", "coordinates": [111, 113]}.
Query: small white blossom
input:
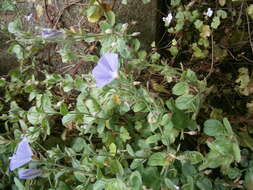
{"type": "Point", "coordinates": [209, 12]}
{"type": "Point", "coordinates": [168, 19]}
{"type": "Point", "coordinates": [29, 17]}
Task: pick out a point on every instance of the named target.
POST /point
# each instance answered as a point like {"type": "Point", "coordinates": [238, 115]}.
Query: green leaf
{"type": "Point", "coordinates": [237, 152]}
{"type": "Point", "coordinates": [93, 106]}
{"type": "Point", "coordinates": [189, 185]}
{"type": "Point", "coordinates": [198, 24]}
{"type": "Point", "coordinates": [94, 13]}
{"type": "Point", "coordinates": [18, 50]}
{"type": "Point", "coordinates": [78, 144]}
{"type": "Point", "coordinates": [116, 168]}
{"type": "Point", "coordinates": [233, 173]}
{"type": "Point", "coordinates": [246, 140]}
{"type": "Point", "coordinates": [113, 149]}
{"type": "Point", "coordinates": [216, 22]}
{"type": "Point", "coordinates": [124, 2]}
{"type": "Point", "coordinates": [158, 159]}
{"type": "Point", "coordinates": [175, 2]}
{"type": "Point", "coordinates": [80, 176]}
{"type": "Point", "coordinates": [222, 14]}
{"type": "Point", "coordinates": [188, 169]}
{"type": "Point", "coordinates": [250, 11]}
{"type": "Point", "coordinates": [34, 116]}
{"type": "Point", "coordinates": [115, 184]}
{"type": "Point", "coordinates": [170, 184]}
{"type": "Point", "coordinates": [190, 75]}
{"type": "Point", "coordinates": [7, 5]}
{"type": "Point", "coordinates": [19, 185]}
{"type": "Point", "coordinates": [197, 52]}
{"type": "Point", "coordinates": [123, 48]}
{"type": "Point", "coordinates": [91, 10]}
{"type": "Point", "coordinates": [66, 55]}
{"type": "Point", "coordinates": [151, 178]}
{"type": "Point", "coordinates": [214, 128]}
{"type": "Point", "coordinates": [14, 27]}
{"type": "Point", "coordinates": [139, 107]}
{"type": "Point", "coordinates": [146, 1]}
{"type": "Point", "coordinates": [63, 109]}
{"type": "Point", "coordinates": [135, 180]}
{"type": "Point", "coordinates": [204, 184]}
{"type": "Point", "coordinates": [130, 150]}
{"type": "Point", "coordinates": [173, 50]}
{"type": "Point", "coordinates": [70, 117]}
{"type": "Point", "coordinates": [222, 2]}
{"type": "Point", "coordinates": [110, 16]}
{"type": "Point", "coordinates": [248, 179]}
{"type": "Point", "coordinates": [180, 88]}
{"type": "Point", "coordinates": [193, 157]}
{"type": "Point", "coordinates": [185, 102]}
{"type": "Point", "coordinates": [124, 135]}
{"type": "Point", "coordinates": [153, 139]}
{"type": "Point", "coordinates": [228, 127]}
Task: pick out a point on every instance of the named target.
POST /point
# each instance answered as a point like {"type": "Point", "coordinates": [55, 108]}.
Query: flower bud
{"type": "Point", "coordinates": [125, 26]}
{"type": "Point", "coordinates": [108, 31]}
{"type": "Point", "coordinates": [114, 44]}
{"type": "Point", "coordinates": [135, 34]}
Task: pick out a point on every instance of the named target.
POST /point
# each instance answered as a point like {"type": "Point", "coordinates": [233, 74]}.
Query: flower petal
{"type": "Point", "coordinates": [50, 33]}
{"type": "Point", "coordinates": [102, 76]}
{"type": "Point", "coordinates": [110, 60]}
{"type": "Point", "coordinates": [22, 155]}
{"type": "Point", "coordinates": [106, 69]}
{"type": "Point", "coordinates": [29, 173]}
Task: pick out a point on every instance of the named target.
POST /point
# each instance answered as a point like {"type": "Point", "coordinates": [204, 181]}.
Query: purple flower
{"type": "Point", "coordinates": [106, 70]}
{"type": "Point", "coordinates": [29, 173]}
{"type": "Point", "coordinates": [50, 33]}
{"type": "Point", "coordinates": [22, 155]}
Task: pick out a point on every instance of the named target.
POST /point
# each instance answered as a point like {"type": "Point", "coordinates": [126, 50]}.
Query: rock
{"type": "Point", "coordinates": [144, 14]}
{"type": "Point", "coordinates": [7, 61]}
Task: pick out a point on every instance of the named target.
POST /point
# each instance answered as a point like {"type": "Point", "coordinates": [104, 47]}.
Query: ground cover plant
{"type": "Point", "coordinates": [119, 117]}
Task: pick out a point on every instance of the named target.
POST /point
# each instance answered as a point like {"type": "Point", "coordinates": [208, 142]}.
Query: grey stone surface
{"type": "Point", "coordinates": [144, 14]}
{"type": "Point", "coordinates": [7, 60]}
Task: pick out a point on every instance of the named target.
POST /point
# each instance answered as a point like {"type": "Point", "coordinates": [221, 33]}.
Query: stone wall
{"type": "Point", "coordinates": [144, 14]}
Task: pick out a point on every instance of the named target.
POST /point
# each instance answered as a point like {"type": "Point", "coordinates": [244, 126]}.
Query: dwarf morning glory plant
{"type": "Point", "coordinates": [106, 70]}
{"type": "Point", "coordinates": [22, 156]}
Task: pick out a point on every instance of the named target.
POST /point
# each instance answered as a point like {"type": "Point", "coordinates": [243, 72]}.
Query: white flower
{"type": "Point", "coordinates": [168, 19]}
{"type": "Point", "coordinates": [209, 12]}
{"type": "Point", "coordinates": [29, 17]}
